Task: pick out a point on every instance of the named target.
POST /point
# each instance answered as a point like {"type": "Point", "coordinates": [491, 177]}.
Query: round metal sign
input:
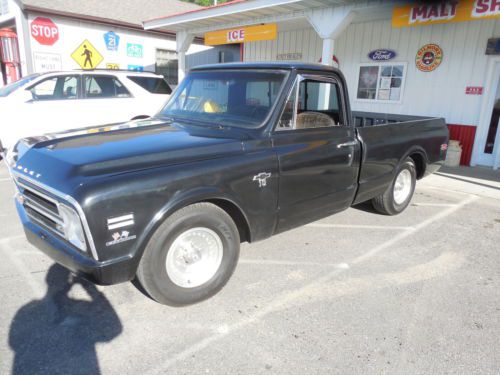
{"type": "Point", "coordinates": [429, 57]}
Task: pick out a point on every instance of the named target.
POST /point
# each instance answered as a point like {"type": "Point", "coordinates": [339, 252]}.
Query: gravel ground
{"type": "Point", "coordinates": [355, 293]}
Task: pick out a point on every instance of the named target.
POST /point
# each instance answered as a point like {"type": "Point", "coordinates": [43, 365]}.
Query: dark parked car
{"type": "Point", "coordinates": [240, 152]}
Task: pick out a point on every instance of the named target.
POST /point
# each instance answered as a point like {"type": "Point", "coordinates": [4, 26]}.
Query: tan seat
{"type": "Point", "coordinates": [306, 120]}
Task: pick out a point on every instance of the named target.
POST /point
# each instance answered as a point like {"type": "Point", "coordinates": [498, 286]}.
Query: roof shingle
{"type": "Point", "coordinates": [127, 11]}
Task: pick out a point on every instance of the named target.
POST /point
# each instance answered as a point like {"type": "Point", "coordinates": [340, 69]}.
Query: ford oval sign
{"type": "Point", "coordinates": [382, 54]}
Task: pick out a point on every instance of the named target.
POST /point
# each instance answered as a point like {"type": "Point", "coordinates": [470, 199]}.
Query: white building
{"type": "Point", "coordinates": [464, 88]}
{"type": "Point", "coordinates": [52, 34]}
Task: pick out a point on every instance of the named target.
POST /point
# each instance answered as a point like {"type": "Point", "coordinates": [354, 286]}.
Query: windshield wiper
{"type": "Point", "coordinates": [168, 119]}
{"type": "Point", "coordinates": [184, 120]}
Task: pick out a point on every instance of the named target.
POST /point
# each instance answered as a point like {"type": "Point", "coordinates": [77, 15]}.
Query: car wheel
{"type": "Point", "coordinates": [398, 195]}
{"type": "Point", "coordinates": [190, 256]}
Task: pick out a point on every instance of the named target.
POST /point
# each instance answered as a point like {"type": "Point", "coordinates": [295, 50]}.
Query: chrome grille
{"type": "Point", "coordinates": [34, 192]}
{"type": "Point", "coordinates": [41, 208]}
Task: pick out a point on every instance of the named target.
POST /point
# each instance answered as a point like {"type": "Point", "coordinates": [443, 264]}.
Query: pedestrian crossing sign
{"type": "Point", "coordinates": [87, 56]}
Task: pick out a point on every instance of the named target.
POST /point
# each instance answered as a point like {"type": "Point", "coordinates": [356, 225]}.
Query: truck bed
{"type": "Point", "coordinates": [364, 119]}
{"type": "Point", "coordinates": [386, 139]}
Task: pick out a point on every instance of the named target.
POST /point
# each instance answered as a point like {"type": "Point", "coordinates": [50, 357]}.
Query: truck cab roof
{"type": "Point", "coordinates": [269, 65]}
{"type": "Point", "coordinates": [115, 72]}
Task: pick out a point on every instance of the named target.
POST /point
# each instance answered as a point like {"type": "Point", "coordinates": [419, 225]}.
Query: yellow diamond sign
{"type": "Point", "coordinates": [87, 56]}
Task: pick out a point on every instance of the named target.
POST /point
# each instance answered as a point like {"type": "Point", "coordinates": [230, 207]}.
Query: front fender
{"type": "Point", "coordinates": [153, 195]}
{"type": "Point", "coordinates": [183, 199]}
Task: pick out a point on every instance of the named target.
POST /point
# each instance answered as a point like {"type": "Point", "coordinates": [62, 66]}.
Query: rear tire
{"type": "Point", "coordinates": [399, 194]}
{"type": "Point", "coordinates": [190, 256]}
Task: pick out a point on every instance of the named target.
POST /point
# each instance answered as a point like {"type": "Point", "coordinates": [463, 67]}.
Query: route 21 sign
{"type": "Point", "coordinates": [382, 55]}
{"type": "Point", "coordinates": [112, 40]}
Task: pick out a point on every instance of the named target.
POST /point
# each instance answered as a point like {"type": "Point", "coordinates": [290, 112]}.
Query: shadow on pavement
{"type": "Point", "coordinates": [366, 207]}
{"type": "Point", "coordinates": [58, 334]}
{"type": "Point", "coordinates": [481, 173]}
{"type": "Point", "coordinates": [487, 177]}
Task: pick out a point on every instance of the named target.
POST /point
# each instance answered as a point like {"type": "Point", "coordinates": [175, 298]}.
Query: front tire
{"type": "Point", "coordinates": [398, 195]}
{"type": "Point", "coordinates": [191, 255]}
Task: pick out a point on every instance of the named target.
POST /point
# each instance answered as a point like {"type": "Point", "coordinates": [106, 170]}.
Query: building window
{"type": "Point", "coordinates": [167, 65]}
{"type": "Point", "coordinates": [381, 82]}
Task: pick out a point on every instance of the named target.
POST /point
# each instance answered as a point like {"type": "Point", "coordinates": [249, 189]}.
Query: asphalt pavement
{"type": "Point", "coordinates": [355, 293]}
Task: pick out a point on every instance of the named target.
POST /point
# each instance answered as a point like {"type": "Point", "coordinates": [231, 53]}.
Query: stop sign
{"type": "Point", "coordinates": [44, 31]}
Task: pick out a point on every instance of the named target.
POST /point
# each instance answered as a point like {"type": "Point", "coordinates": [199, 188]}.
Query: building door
{"type": "Point", "coordinates": [492, 136]}
{"type": "Point", "coordinates": [489, 143]}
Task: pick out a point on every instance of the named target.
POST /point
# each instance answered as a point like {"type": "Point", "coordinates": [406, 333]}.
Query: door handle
{"type": "Point", "coordinates": [347, 144]}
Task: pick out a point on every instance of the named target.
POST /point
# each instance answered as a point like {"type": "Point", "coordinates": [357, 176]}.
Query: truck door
{"type": "Point", "coordinates": [318, 152]}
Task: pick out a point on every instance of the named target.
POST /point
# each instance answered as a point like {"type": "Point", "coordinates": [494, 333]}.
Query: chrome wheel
{"type": "Point", "coordinates": [194, 257]}
{"type": "Point", "coordinates": [402, 186]}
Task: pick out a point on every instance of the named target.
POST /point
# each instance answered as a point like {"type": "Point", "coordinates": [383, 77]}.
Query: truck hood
{"type": "Point", "coordinates": [57, 160]}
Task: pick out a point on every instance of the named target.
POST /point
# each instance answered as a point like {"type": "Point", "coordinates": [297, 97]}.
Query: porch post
{"type": "Point", "coordinates": [327, 52]}
{"type": "Point", "coordinates": [183, 40]}
{"type": "Point", "coordinates": [329, 24]}
{"type": "Point", "coordinates": [496, 150]}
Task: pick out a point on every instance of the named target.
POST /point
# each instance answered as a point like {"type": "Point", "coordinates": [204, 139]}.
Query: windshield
{"type": "Point", "coordinates": [241, 98]}
{"type": "Point", "coordinates": [10, 88]}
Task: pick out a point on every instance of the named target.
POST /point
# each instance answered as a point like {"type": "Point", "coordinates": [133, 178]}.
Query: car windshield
{"type": "Point", "coordinates": [10, 88]}
{"type": "Point", "coordinates": [240, 98]}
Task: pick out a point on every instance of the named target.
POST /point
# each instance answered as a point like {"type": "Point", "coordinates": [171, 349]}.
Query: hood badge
{"type": "Point", "coordinates": [27, 171]}
{"type": "Point", "coordinates": [262, 178]}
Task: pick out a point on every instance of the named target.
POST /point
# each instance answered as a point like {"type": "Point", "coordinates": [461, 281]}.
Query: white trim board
{"type": "Point", "coordinates": [489, 93]}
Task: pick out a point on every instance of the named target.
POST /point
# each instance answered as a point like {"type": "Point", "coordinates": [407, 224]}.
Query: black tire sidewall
{"type": "Point", "coordinates": [409, 165]}
{"type": "Point", "coordinates": [165, 290]}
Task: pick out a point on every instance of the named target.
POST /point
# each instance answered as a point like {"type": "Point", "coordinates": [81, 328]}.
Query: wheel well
{"type": "Point", "coordinates": [420, 166]}
{"type": "Point", "coordinates": [237, 216]}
